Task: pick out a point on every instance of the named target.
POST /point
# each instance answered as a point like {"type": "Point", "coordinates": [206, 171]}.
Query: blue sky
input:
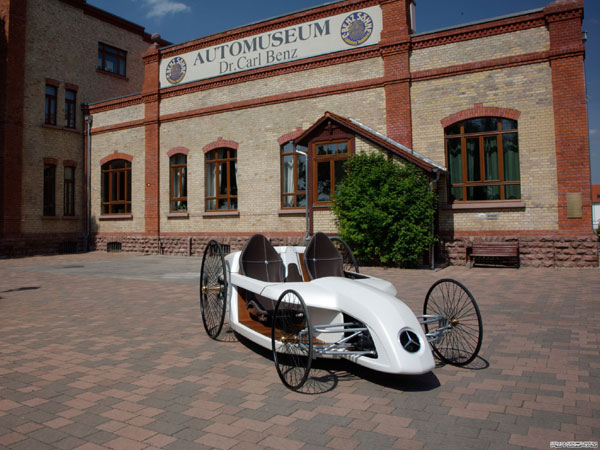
{"type": "Point", "coordinates": [184, 20]}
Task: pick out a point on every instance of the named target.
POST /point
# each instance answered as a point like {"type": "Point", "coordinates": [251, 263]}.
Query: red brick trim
{"type": "Point", "coordinates": [119, 126]}
{"type": "Point", "coordinates": [52, 82]}
{"type": "Point", "coordinates": [275, 99]}
{"type": "Point", "coordinates": [116, 155]}
{"type": "Point", "coordinates": [246, 104]}
{"type": "Point", "coordinates": [115, 104]}
{"type": "Point", "coordinates": [219, 143]}
{"type": "Point", "coordinates": [564, 9]}
{"type": "Point", "coordinates": [564, 20]}
{"type": "Point", "coordinates": [269, 25]}
{"type": "Point", "coordinates": [50, 161]}
{"type": "Point", "coordinates": [150, 97]}
{"type": "Point", "coordinates": [177, 151]}
{"type": "Point", "coordinates": [69, 163]}
{"type": "Point", "coordinates": [480, 30]}
{"type": "Point", "coordinates": [480, 111]}
{"type": "Point", "coordinates": [72, 87]}
{"type": "Point", "coordinates": [292, 135]}
{"type": "Point", "coordinates": [481, 66]}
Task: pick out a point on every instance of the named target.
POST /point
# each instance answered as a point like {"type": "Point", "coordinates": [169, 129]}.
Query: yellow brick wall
{"type": "Point", "coordinates": [526, 89]}
{"type": "Point", "coordinates": [256, 130]}
{"type": "Point", "coordinates": [130, 142]}
{"type": "Point", "coordinates": [116, 116]}
{"type": "Point", "coordinates": [361, 145]}
{"type": "Point", "coordinates": [316, 78]}
{"type": "Point", "coordinates": [491, 47]}
{"type": "Point", "coordinates": [324, 221]}
{"type": "Point", "coordinates": [62, 44]}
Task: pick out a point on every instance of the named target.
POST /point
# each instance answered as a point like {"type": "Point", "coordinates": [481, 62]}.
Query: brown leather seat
{"type": "Point", "coordinates": [259, 260]}
{"type": "Point", "coordinates": [322, 258]}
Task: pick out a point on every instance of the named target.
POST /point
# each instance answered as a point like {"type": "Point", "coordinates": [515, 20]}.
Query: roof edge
{"type": "Point", "coordinates": [478, 22]}
{"type": "Point", "coordinates": [379, 139]}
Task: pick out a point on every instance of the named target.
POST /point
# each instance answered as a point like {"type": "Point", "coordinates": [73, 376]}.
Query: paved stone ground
{"type": "Point", "coordinates": [108, 351]}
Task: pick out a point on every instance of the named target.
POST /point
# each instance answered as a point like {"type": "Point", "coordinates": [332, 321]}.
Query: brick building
{"type": "Point", "coordinates": [45, 76]}
{"type": "Point", "coordinates": [494, 112]}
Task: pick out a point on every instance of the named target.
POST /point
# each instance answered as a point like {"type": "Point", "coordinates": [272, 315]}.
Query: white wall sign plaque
{"type": "Point", "coordinates": [332, 34]}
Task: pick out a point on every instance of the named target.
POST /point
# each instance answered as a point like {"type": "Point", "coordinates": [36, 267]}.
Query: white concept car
{"type": "Point", "coordinates": [302, 303]}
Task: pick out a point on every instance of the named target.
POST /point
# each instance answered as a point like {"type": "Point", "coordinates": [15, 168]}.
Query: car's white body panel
{"type": "Point", "coordinates": [369, 300]}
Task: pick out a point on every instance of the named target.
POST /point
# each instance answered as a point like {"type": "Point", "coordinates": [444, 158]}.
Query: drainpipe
{"type": "Point", "coordinates": [432, 248]}
{"type": "Point", "coordinates": [88, 153]}
{"type": "Point", "coordinates": [306, 235]}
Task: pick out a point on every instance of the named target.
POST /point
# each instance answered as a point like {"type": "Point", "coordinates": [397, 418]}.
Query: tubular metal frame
{"type": "Point", "coordinates": [443, 328]}
{"type": "Point", "coordinates": [338, 348]}
{"type": "Point", "coordinates": [341, 346]}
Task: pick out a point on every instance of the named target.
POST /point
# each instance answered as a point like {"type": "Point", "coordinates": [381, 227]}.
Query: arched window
{"type": "Point", "coordinates": [221, 180]}
{"type": "Point", "coordinates": [116, 187]}
{"type": "Point", "coordinates": [293, 176]}
{"type": "Point", "coordinates": [483, 159]}
{"type": "Point", "coordinates": [178, 163]}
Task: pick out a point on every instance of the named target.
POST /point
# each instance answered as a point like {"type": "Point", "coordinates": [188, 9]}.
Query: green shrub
{"type": "Point", "coordinates": [384, 211]}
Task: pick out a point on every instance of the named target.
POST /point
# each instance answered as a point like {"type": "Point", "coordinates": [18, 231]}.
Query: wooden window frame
{"type": "Point", "coordinates": [228, 159]}
{"type": "Point", "coordinates": [296, 192]}
{"type": "Point", "coordinates": [465, 184]}
{"type": "Point", "coordinates": [107, 207]}
{"type": "Point", "coordinates": [174, 168]}
{"type": "Point", "coordinates": [331, 159]}
{"type": "Point", "coordinates": [50, 105]}
{"type": "Point", "coordinates": [120, 55]}
{"type": "Point", "coordinates": [49, 198]}
{"type": "Point", "coordinates": [70, 114]}
{"type": "Point", "coordinates": [69, 191]}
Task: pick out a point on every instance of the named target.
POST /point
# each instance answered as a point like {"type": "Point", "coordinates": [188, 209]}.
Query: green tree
{"type": "Point", "coordinates": [384, 211]}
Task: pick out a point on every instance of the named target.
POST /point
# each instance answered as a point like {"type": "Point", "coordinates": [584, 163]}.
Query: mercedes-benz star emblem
{"type": "Point", "coordinates": [410, 341]}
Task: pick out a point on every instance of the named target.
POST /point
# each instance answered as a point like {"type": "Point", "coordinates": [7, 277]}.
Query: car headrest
{"type": "Point", "coordinates": [259, 260]}
{"type": "Point", "coordinates": [322, 258]}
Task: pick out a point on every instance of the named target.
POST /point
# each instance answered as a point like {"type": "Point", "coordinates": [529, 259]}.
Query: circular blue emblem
{"type": "Point", "coordinates": [176, 70]}
{"type": "Point", "coordinates": [356, 28]}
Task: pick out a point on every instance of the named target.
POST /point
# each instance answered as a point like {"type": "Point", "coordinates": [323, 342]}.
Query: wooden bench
{"type": "Point", "coordinates": [495, 251]}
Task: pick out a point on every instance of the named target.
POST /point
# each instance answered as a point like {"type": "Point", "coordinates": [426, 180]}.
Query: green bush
{"type": "Point", "coordinates": [384, 211]}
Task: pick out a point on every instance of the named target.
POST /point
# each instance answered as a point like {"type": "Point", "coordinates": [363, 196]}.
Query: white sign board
{"type": "Point", "coordinates": [331, 34]}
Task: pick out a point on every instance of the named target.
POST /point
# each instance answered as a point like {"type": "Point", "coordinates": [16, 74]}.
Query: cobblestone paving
{"type": "Point", "coordinates": [102, 351]}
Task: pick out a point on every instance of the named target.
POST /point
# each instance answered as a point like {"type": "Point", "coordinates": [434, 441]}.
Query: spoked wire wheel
{"type": "Point", "coordinates": [460, 343]}
{"type": "Point", "coordinates": [350, 264]}
{"type": "Point", "coordinates": [292, 340]}
{"type": "Point", "coordinates": [214, 283]}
